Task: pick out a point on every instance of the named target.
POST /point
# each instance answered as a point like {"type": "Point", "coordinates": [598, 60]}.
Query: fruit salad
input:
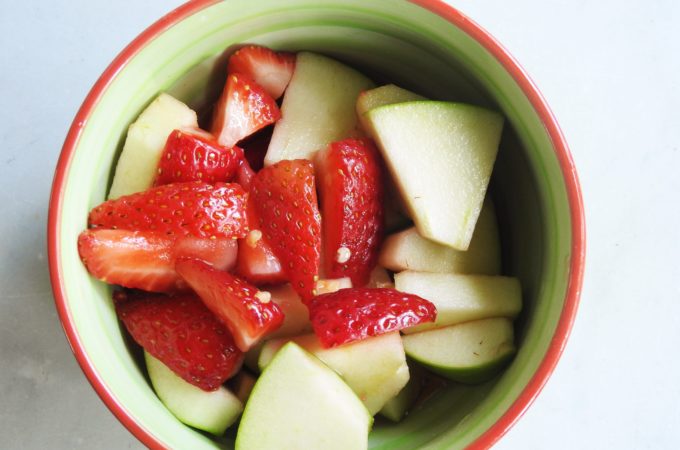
{"type": "Point", "coordinates": [320, 252]}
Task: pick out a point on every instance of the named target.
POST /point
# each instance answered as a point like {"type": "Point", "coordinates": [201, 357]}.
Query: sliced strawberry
{"type": "Point", "coordinates": [243, 108]}
{"type": "Point", "coordinates": [196, 157]}
{"type": "Point", "coordinates": [180, 209]}
{"type": "Point", "coordinates": [182, 333]}
{"type": "Point", "coordinates": [271, 70]}
{"type": "Point", "coordinates": [245, 174]}
{"type": "Point", "coordinates": [355, 314]}
{"type": "Point", "coordinates": [248, 313]}
{"type": "Point", "coordinates": [284, 197]}
{"type": "Point", "coordinates": [256, 261]}
{"type": "Point", "coordinates": [146, 260]}
{"type": "Point", "coordinates": [351, 181]}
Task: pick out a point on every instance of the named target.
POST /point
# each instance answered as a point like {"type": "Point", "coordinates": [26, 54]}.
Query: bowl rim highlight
{"type": "Point", "coordinates": [447, 12]}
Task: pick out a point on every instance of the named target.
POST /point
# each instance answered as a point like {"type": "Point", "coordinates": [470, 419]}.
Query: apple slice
{"type": "Point", "coordinates": [462, 298]}
{"type": "Point", "coordinates": [381, 96]}
{"type": "Point", "coordinates": [145, 142]}
{"type": "Point", "coordinates": [374, 368]}
{"type": "Point", "coordinates": [211, 411]}
{"type": "Point", "coordinates": [318, 108]}
{"type": "Point", "coordinates": [441, 155]}
{"type": "Point", "coordinates": [395, 409]}
{"type": "Point", "coordinates": [299, 403]}
{"type": "Point", "coordinates": [471, 352]}
{"type": "Point", "coordinates": [408, 250]}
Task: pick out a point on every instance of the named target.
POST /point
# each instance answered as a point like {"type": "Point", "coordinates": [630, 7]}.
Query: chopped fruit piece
{"type": "Point", "coordinates": [380, 278]}
{"type": "Point", "coordinates": [351, 183]}
{"type": "Point", "coordinates": [299, 403]}
{"type": "Point", "coordinates": [236, 303]}
{"type": "Point", "coordinates": [194, 157]}
{"type": "Point", "coordinates": [355, 314]}
{"type": "Point", "coordinates": [183, 334]}
{"type": "Point", "coordinates": [396, 408]}
{"type": "Point", "coordinates": [245, 174]}
{"type": "Point", "coordinates": [243, 108]}
{"type": "Point", "coordinates": [196, 209]}
{"type": "Point", "coordinates": [242, 385]}
{"type": "Point", "coordinates": [146, 260]}
{"type": "Point", "coordinates": [296, 316]}
{"type": "Point", "coordinates": [381, 96]}
{"type": "Point", "coordinates": [256, 260]}
{"type": "Point", "coordinates": [136, 168]}
{"type": "Point", "coordinates": [333, 285]}
{"type": "Point", "coordinates": [211, 411]}
{"type": "Point", "coordinates": [284, 199]}
{"type": "Point", "coordinates": [318, 108]}
{"type": "Point", "coordinates": [271, 70]}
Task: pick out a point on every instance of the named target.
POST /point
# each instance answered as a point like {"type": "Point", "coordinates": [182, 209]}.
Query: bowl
{"type": "Point", "coordinates": [424, 45]}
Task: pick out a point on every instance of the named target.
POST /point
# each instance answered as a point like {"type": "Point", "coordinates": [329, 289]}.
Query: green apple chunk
{"type": "Point", "coordinates": [212, 411]}
{"type": "Point", "coordinates": [471, 352]}
{"type": "Point", "coordinates": [375, 368]}
{"type": "Point", "coordinates": [441, 155]}
{"type": "Point", "coordinates": [462, 298]}
{"type": "Point", "coordinates": [300, 403]}
{"type": "Point", "coordinates": [395, 409]}
{"type": "Point", "coordinates": [145, 142]}
{"type": "Point", "coordinates": [317, 109]}
{"type": "Point", "coordinates": [381, 96]}
{"type": "Point", "coordinates": [408, 250]}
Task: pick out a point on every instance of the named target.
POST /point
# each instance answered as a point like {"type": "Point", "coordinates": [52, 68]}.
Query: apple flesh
{"type": "Point", "coordinates": [375, 368]}
{"type": "Point", "coordinates": [300, 403]}
{"type": "Point", "coordinates": [462, 298]}
{"type": "Point", "coordinates": [211, 411]}
{"type": "Point", "coordinates": [381, 96]}
{"type": "Point", "coordinates": [396, 408]}
{"type": "Point", "coordinates": [145, 142]}
{"type": "Point", "coordinates": [408, 250]}
{"type": "Point", "coordinates": [471, 352]}
{"type": "Point", "coordinates": [318, 108]}
{"type": "Point", "coordinates": [441, 156]}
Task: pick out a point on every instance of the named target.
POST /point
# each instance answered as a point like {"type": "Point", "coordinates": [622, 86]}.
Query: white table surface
{"type": "Point", "coordinates": [610, 71]}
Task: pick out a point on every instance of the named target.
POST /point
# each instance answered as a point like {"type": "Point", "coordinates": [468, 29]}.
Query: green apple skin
{"type": "Point", "coordinates": [381, 96]}
{"type": "Point", "coordinates": [408, 250]}
{"type": "Point", "coordinates": [441, 156]}
{"type": "Point", "coordinates": [318, 108]}
{"type": "Point", "coordinates": [375, 368]}
{"type": "Point", "coordinates": [145, 141]}
{"type": "Point", "coordinates": [300, 403]}
{"type": "Point", "coordinates": [213, 411]}
{"type": "Point", "coordinates": [461, 298]}
{"type": "Point", "coordinates": [395, 409]}
{"type": "Point", "coordinates": [471, 352]}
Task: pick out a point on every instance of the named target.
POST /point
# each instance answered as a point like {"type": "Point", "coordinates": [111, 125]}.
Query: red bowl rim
{"type": "Point", "coordinates": [558, 342]}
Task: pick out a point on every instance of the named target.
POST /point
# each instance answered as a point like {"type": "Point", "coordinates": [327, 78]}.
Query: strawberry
{"type": "Point", "coordinates": [245, 174]}
{"type": "Point", "coordinates": [284, 197]}
{"type": "Point", "coordinates": [146, 260]}
{"type": "Point", "coordinates": [182, 333]}
{"type": "Point", "coordinates": [350, 173]}
{"type": "Point", "coordinates": [256, 261]}
{"type": "Point", "coordinates": [248, 313]}
{"type": "Point", "coordinates": [354, 314]}
{"type": "Point", "coordinates": [243, 108]}
{"type": "Point", "coordinates": [180, 209]}
{"type": "Point", "coordinates": [194, 157]}
{"type": "Point", "coordinates": [271, 70]}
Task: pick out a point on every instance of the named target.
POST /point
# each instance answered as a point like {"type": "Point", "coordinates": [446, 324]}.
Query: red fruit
{"type": "Point", "coordinates": [354, 314]}
{"type": "Point", "coordinates": [180, 209]}
{"type": "Point", "coordinates": [146, 260]}
{"type": "Point", "coordinates": [351, 192]}
{"type": "Point", "coordinates": [243, 108]}
{"type": "Point", "coordinates": [257, 263]}
{"type": "Point", "coordinates": [284, 199]}
{"type": "Point", "coordinates": [271, 70]}
{"type": "Point", "coordinates": [194, 157]}
{"type": "Point", "coordinates": [248, 313]}
{"type": "Point", "coordinates": [245, 174]}
{"type": "Point", "coordinates": [182, 333]}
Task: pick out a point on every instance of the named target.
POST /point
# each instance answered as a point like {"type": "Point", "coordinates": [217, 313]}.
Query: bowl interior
{"type": "Point", "coordinates": [392, 41]}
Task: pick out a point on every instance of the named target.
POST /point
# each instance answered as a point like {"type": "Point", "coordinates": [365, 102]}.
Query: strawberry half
{"type": "Point", "coordinates": [271, 70]}
{"type": "Point", "coordinates": [256, 261]}
{"type": "Point", "coordinates": [180, 209]}
{"type": "Point", "coordinates": [351, 181]}
{"type": "Point", "coordinates": [243, 108]}
{"type": "Point", "coordinates": [182, 333]}
{"type": "Point", "coordinates": [146, 260]}
{"type": "Point", "coordinates": [194, 157]}
{"type": "Point", "coordinates": [248, 313]}
{"type": "Point", "coordinates": [354, 314]}
{"type": "Point", "coordinates": [284, 197]}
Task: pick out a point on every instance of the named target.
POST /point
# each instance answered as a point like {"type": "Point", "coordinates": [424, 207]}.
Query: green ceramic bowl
{"type": "Point", "coordinates": [422, 45]}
